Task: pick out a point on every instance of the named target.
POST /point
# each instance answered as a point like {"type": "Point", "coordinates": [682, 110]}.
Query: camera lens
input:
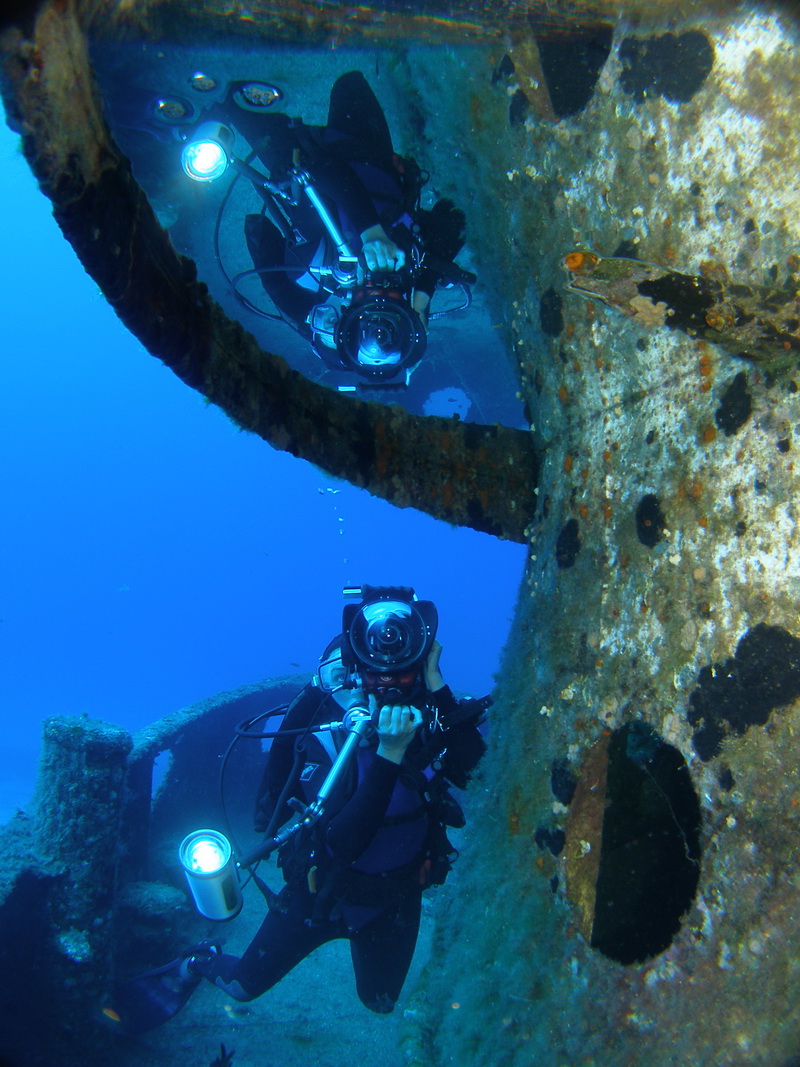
{"type": "Point", "coordinates": [378, 335]}
{"type": "Point", "coordinates": [387, 638]}
{"type": "Point", "coordinates": [388, 635]}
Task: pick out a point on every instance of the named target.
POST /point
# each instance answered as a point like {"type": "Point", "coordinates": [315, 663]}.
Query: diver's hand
{"type": "Point", "coordinates": [433, 676]}
{"type": "Point", "coordinates": [380, 251]}
{"type": "Point", "coordinates": [396, 726]}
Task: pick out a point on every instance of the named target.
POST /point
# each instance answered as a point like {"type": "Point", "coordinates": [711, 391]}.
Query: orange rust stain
{"type": "Point", "coordinates": [570, 331]}
{"type": "Point", "coordinates": [585, 473]}
{"type": "Point", "coordinates": [568, 461]}
{"type": "Point", "coordinates": [705, 386]}
{"type": "Point", "coordinates": [562, 393]}
{"type": "Point", "coordinates": [580, 261]}
{"type": "Point", "coordinates": [706, 369]}
{"type": "Point", "coordinates": [702, 521]}
{"type": "Point", "coordinates": [583, 511]}
{"type": "Point", "coordinates": [719, 320]}
{"type": "Point", "coordinates": [697, 489]}
{"type": "Point", "coordinates": [606, 512]}
{"type": "Point", "coordinates": [709, 434]}
{"type": "Point", "coordinates": [606, 456]}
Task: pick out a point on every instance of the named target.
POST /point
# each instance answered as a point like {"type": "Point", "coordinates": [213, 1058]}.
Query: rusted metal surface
{"type": "Point", "coordinates": [435, 21]}
{"type": "Point", "coordinates": [585, 834]}
{"type": "Point", "coordinates": [755, 323]}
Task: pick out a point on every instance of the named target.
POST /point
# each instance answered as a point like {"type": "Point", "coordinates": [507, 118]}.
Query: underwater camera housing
{"type": "Point", "coordinates": [379, 335]}
{"type": "Point", "coordinates": [390, 630]}
{"type": "Point", "coordinates": [374, 333]}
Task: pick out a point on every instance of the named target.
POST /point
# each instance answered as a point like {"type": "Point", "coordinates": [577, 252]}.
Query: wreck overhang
{"type": "Point", "coordinates": [484, 477]}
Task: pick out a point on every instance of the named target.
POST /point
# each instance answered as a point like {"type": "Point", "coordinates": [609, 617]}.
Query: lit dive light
{"type": "Point", "coordinates": [207, 860]}
{"type": "Point", "coordinates": [206, 156]}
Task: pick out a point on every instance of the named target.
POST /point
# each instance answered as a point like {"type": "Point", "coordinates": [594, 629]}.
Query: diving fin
{"type": "Point", "coordinates": [146, 1001]}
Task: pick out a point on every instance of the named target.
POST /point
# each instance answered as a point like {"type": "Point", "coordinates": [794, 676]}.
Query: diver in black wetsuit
{"type": "Point", "coordinates": [380, 327]}
{"type": "Point", "coordinates": [382, 840]}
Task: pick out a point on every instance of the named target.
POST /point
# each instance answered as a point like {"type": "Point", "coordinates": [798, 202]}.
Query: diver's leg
{"type": "Point", "coordinates": [382, 951]}
{"type": "Point", "coordinates": [354, 110]}
{"type": "Point", "coordinates": [270, 135]}
{"type": "Point", "coordinates": [267, 249]}
{"type": "Point", "coordinates": [282, 941]}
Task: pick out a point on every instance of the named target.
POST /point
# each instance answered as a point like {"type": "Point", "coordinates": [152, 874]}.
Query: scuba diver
{"type": "Point", "coordinates": [360, 869]}
{"type": "Point", "coordinates": [342, 247]}
{"type": "Point", "coordinates": [357, 870]}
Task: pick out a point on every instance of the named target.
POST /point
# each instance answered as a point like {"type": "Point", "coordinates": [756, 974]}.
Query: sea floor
{"type": "Point", "coordinates": [313, 1016]}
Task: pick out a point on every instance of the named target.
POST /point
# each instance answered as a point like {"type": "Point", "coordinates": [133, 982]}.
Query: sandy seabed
{"type": "Point", "coordinates": [313, 1016]}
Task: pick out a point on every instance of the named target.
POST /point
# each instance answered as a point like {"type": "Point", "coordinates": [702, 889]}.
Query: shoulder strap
{"type": "Point", "coordinates": [325, 738]}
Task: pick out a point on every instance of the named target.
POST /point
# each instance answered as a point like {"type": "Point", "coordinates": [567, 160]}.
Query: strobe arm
{"type": "Point", "coordinates": [359, 725]}
{"type": "Point", "coordinates": [261, 182]}
{"type": "Point", "coordinates": [271, 192]}
{"type": "Point", "coordinates": [327, 220]}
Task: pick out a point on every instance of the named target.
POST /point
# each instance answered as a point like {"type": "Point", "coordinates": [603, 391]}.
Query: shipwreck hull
{"type": "Point", "coordinates": [663, 576]}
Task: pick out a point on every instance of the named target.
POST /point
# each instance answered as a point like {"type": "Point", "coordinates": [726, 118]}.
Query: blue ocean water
{"type": "Point", "coordinates": [152, 554]}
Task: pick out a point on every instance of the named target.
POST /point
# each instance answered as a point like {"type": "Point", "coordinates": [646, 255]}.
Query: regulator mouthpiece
{"type": "Point", "coordinates": [207, 860]}
{"type": "Point", "coordinates": [206, 156]}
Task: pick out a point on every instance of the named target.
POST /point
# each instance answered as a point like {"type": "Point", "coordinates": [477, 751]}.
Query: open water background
{"type": "Point", "coordinates": [151, 554]}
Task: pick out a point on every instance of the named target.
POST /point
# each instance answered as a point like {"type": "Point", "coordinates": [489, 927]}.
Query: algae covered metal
{"type": "Point", "coordinates": [759, 324]}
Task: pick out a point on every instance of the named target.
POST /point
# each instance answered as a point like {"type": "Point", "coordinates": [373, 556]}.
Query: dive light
{"type": "Point", "coordinates": [207, 860]}
{"type": "Point", "coordinates": [207, 155]}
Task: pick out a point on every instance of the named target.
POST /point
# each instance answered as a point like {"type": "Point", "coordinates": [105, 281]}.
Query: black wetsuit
{"type": "Point", "coordinates": [380, 844]}
{"type": "Point", "coordinates": [355, 169]}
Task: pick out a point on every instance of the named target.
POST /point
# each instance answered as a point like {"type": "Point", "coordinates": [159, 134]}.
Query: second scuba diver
{"type": "Point", "coordinates": [374, 324]}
